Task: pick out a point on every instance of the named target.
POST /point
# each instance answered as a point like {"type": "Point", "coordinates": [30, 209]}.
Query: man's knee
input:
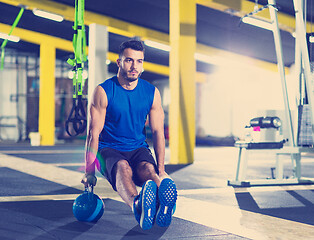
{"type": "Point", "coordinates": [146, 167]}
{"type": "Point", "coordinates": [123, 167]}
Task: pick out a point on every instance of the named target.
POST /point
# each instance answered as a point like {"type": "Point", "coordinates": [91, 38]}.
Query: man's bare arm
{"type": "Point", "coordinates": [97, 114]}
{"type": "Point", "coordinates": [156, 122]}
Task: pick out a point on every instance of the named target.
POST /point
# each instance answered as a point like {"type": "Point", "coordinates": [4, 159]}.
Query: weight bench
{"type": "Point", "coordinates": [276, 148]}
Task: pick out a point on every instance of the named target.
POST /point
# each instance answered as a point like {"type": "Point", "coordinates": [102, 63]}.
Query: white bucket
{"type": "Point", "coordinates": [35, 138]}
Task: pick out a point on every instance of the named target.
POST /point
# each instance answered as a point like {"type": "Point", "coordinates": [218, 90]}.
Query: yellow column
{"type": "Point", "coordinates": [182, 81]}
{"type": "Point", "coordinates": [46, 122]}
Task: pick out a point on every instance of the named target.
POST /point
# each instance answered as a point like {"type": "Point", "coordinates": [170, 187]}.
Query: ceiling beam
{"type": "Point", "coordinates": [114, 25]}
{"type": "Point", "coordinates": [65, 45]}
{"type": "Point", "coordinates": [219, 55]}
{"type": "Point", "coordinates": [37, 38]}
{"type": "Point", "coordinates": [286, 21]}
{"type": "Point", "coordinates": [130, 30]}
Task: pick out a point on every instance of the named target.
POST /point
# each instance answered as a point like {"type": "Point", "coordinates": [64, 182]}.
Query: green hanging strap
{"type": "Point", "coordinates": [77, 117]}
{"type": "Point", "coordinates": [2, 58]}
{"type": "Point", "coordinates": [4, 43]}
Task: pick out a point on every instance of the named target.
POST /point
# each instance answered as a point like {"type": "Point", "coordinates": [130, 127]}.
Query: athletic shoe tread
{"type": "Point", "coordinates": [148, 204]}
{"type": "Point", "coordinates": [167, 196]}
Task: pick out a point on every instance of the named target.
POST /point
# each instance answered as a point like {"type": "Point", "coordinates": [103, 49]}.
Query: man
{"type": "Point", "coordinates": [118, 112]}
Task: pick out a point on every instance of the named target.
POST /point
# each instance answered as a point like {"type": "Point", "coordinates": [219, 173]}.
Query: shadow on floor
{"type": "Point", "coordinates": [171, 168]}
{"type": "Point", "coordinates": [49, 219]}
{"type": "Point", "coordinates": [291, 205]}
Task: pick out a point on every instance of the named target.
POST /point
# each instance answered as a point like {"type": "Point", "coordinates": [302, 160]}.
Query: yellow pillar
{"type": "Point", "coordinates": [46, 122]}
{"type": "Point", "coordinates": [182, 81]}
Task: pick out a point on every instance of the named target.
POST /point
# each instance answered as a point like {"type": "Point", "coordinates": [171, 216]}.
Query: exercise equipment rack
{"type": "Point", "coordinates": [303, 62]}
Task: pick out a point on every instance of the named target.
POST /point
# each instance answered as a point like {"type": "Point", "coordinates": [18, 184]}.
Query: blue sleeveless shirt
{"type": "Point", "coordinates": [126, 115]}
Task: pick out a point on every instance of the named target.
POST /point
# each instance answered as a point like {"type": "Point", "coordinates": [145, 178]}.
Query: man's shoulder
{"type": "Point", "coordinates": [146, 83]}
{"type": "Point", "coordinates": [108, 82]}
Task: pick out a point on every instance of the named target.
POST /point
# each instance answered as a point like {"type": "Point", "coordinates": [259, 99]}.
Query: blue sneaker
{"type": "Point", "coordinates": [167, 196]}
{"type": "Point", "coordinates": [145, 209]}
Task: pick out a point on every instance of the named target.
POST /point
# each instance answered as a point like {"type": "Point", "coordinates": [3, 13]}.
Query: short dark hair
{"type": "Point", "coordinates": [133, 44]}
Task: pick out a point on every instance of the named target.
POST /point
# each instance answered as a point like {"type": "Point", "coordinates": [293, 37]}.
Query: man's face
{"type": "Point", "coordinates": [131, 64]}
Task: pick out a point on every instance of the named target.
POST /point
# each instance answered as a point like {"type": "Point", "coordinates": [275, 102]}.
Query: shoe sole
{"type": "Point", "coordinates": [167, 196]}
{"type": "Point", "coordinates": [149, 200]}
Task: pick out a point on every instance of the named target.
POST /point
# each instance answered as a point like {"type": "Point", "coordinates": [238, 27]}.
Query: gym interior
{"type": "Point", "coordinates": [235, 79]}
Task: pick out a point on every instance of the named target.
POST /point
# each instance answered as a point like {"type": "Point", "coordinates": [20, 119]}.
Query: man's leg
{"type": "Point", "coordinates": [120, 174]}
{"type": "Point", "coordinates": [167, 192]}
{"type": "Point", "coordinates": [144, 204]}
{"type": "Point", "coordinates": [146, 171]}
{"type": "Point", "coordinates": [124, 182]}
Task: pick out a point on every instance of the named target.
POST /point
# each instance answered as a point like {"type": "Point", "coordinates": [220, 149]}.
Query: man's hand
{"type": "Point", "coordinates": [89, 180]}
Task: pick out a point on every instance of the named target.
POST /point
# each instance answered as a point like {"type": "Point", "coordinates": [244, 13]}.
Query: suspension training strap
{"type": "Point", "coordinates": [4, 43]}
{"type": "Point", "coordinates": [77, 115]}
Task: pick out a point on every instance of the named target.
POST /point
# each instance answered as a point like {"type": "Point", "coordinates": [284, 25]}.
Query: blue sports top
{"type": "Point", "coordinates": [126, 115]}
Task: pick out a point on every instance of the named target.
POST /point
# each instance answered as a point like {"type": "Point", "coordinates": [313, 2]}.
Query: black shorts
{"type": "Point", "coordinates": [109, 158]}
